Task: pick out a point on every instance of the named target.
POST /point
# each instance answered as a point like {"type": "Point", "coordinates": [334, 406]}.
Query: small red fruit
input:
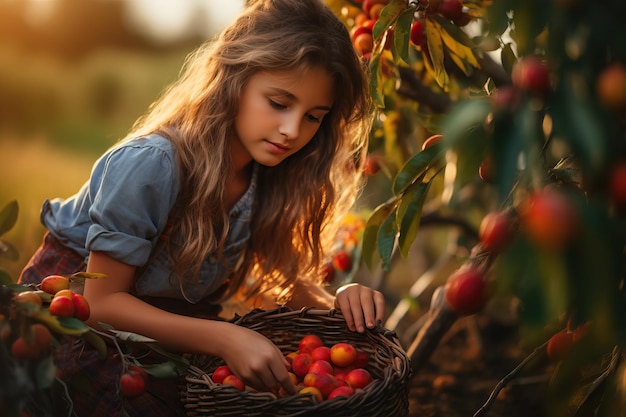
{"type": "Point", "coordinates": [559, 345]}
{"type": "Point", "coordinates": [61, 307]}
{"type": "Point", "coordinates": [532, 74]}
{"type": "Point", "coordinates": [321, 353]}
{"type": "Point", "coordinates": [341, 391]}
{"type": "Point", "coordinates": [364, 43]}
{"type": "Point", "coordinates": [466, 290]}
{"type": "Point", "coordinates": [550, 220]}
{"type": "Point", "coordinates": [486, 170]}
{"type": "Point", "coordinates": [451, 9]}
{"type": "Point", "coordinates": [611, 87]}
{"type": "Point", "coordinates": [372, 166]}
{"type": "Point", "coordinates": [617, 186]}
{"type": "Point", "coordinates": [328, 273]}
{"type": "Point", "coordinates": [28, 297]}
{"type": "Point", "coordinates": [234, 381]}
{"type": "Point", "coordinates": [220, 373]}
{"type": "Point", "coordinates": [418, 33]}
{"type": "Point", "coordinates": [342, 260]}
{"type": "Point", "coordinates": [496, 230]}
{"type": "Point", "coordinates": [301, 364]}
{"type": "Point", "coordinates": [81, 307]}
{"type": "Point", "coordinates": [358, 378]}
{"type": "Point", "coordinates": [132, 384]}
{"type": "Point", "coordinates": [342, 354]}
{"type": "Point", "coordinates": [309, 342]}
{"type": "Point", "coordinates": [54, 283]}
{"type": "Point", "coordinates": [369, 4]}
{"type": "Point", "coordinates": [430, 141]}
{"type": "Point", "coordinates": [321, 367]}
{"type": "Point", "coordinates": [33, 346]}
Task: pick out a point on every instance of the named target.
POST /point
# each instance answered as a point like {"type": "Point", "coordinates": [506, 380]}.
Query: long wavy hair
{"type": "Point", "coordinates": [299, 202]}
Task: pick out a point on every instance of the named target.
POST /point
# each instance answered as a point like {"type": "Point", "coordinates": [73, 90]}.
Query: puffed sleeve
{"type": "Point", "coordinates": [133, 189]}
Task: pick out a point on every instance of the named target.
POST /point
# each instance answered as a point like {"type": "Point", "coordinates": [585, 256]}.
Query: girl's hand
{"type": "Point", "coordinates": [360, 305]}
{"type": "Point", "coordinates": [256, 360]}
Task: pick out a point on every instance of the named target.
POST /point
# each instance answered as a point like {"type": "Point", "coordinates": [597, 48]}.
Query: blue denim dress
{"type": "Point", "coordinates": [123, 208]}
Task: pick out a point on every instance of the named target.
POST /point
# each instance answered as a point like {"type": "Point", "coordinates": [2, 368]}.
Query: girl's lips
{"type": "Point", "coordinates": [276, 147]}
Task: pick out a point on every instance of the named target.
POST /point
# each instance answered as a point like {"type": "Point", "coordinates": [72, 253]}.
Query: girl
{"type": "Point", "coordinates": [232, 183]}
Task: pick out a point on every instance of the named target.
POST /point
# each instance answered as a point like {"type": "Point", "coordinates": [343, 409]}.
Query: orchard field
{"type": "Point", "coordinates": [494, 211]}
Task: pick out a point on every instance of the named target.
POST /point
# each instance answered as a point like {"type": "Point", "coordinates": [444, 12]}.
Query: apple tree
{"type": "Point", "coordinates": [527, 100]}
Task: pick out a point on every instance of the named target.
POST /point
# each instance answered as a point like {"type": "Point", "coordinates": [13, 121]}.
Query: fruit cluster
{"type": "Point", "coordinates": [449, 9]}
{"type": "Point", "coordinates": [364, 21]}
{"type": "Point", "coordinates": [316, 369]}
{"type": "Point", "coordinates": [64, 302]}
{"type": "Point", "coordinates": [35, 341]}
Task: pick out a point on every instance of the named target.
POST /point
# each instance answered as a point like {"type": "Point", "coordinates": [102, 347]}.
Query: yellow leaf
{"type": "Point", "coordinates": [435, 49]}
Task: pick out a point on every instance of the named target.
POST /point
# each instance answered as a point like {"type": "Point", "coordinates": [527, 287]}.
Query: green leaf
{"type": "Point", "coordinates": [409, 214]}
{"type": "Point", "coordinates": [387, 239]}
{"type": "Point", "coordinates": [163, 370]}
{"type": "Point", "coordinates": [8, 251]}
{"type": "Point", "coordinates": [417, 167]}
{"type": "Point", "coordinates": [5, 277]}
{"type": "Point", "coordinates": [181, 362]}
{"type": "Point", "coordinates": [8, 217]}
{"type": "Point", "coordinates": [63, 325]}
{"type": "Point", "coordinates": [131, 337]}
{"type": "Point", "coordinates": [401, 36]}
{"type": "Point", "coordinates": [370, 233]}
{"type": "Point", "coordinates": [97, 342]}
{"type": "Point", "coordinates": [376, 82]}
{"type": "Point", "coordinates": [463, 117]}
{"type": "Point", "coordinates": [388, 16]}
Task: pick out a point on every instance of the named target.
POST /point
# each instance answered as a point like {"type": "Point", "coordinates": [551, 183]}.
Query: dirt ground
{"type": "Point", "coordinates": [466, 367]}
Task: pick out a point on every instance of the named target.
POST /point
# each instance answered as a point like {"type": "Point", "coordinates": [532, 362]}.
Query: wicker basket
{"type": "Point", "coordinates": [386, 396]}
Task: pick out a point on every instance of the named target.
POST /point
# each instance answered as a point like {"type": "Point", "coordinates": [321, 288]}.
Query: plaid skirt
{"type": "Point", "coordinates": [92, 381]}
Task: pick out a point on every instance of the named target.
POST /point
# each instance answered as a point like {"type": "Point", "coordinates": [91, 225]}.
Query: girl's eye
{"type": "Point", "coordinates": [312, 118]}
{"type": "Point", "coordinates": [276, 105]}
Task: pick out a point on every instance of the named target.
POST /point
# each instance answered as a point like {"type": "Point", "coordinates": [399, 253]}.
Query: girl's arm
{"type": "Point", "coordinates": [251, 356]}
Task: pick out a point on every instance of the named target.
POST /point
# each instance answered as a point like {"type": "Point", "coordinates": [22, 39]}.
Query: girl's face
{"type": "Point", "coordinates": [279, 113]}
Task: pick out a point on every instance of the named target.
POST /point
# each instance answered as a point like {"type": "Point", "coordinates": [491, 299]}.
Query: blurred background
{"type": "Point", "coordinates": [74, 76]}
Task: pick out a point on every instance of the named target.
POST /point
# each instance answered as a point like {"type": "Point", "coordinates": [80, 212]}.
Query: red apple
{"type": "Point", "coordinates": [342, 260]}
{"type": "Point", "coordinates": [496, 230]}
{"type": "Point", "coordinates": [132, 384]}
{"type": "Point", "coordinates": [321, 353]}
{"type": "Point", "coordinates": [341, 391]}
{"type": "Point", "coordinates": [220, 373]}
{"type": "Point", "coordinates": [321, 367]}
{"type": "Point", "coordinates": [54, 283]}
{"type": "Point", "coordinates": [466, 290]}
{"type": "Point", "coordinates": [342, 354]}
{"type": "Point", "coordinates": [301, 364]}
{"type": "Point", "coordinates": [81, 307]}
{"type": "Point", "coordinates": [532, 74]}
{"type": "Point", "coordinates": [61, 307]}
{"type": "Point", "coordinates": [358, 378]}
{"type": "Point", "coordinates": [550, 220]}
{"type": "Point", "coordinates": [309, 342]}
{"type": "Point", "coordinates": [234, 381]}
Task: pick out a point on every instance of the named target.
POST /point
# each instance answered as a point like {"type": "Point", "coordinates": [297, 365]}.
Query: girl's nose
{"type": "Point", "coordinates": [290, 127]}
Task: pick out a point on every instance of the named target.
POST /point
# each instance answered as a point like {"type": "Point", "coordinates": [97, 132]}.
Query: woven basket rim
{"type": "Point", "coordinates": [395, 372]}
